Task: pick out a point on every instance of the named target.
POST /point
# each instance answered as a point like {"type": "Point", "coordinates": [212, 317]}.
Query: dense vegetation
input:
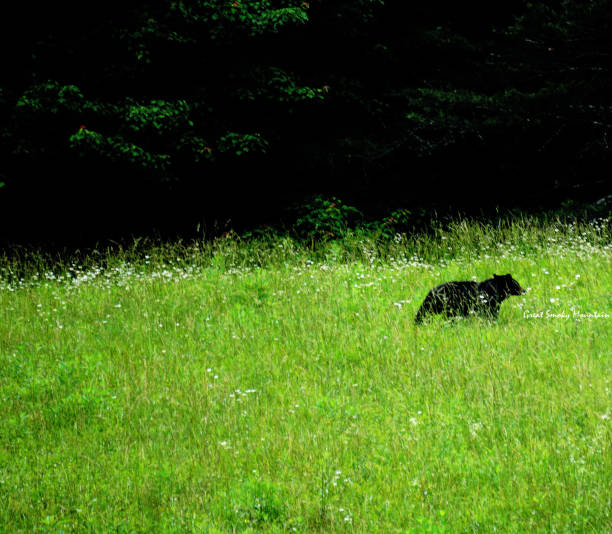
{"type": "Point", "coordinates": [261, 385]}
{"type": "Point", "coordinates": [168, 114]}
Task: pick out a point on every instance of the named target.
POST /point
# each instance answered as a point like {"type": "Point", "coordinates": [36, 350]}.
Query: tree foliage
{"type": "Point", "coordinates": [218, 109]}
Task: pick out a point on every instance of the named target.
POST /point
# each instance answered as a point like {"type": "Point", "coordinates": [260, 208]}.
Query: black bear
{"type": "Point", "coordinates": [465, 298]}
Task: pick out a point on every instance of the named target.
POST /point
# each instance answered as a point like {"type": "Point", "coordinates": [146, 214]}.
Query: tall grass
{"type": "Point", "coordinates": [265, 385]}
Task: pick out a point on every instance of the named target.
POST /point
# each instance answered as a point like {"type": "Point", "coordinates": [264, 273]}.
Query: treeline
{"type": "Point", "coordinates": [172, 114]}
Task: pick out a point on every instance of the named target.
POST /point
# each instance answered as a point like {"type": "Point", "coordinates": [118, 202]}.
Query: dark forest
{"type": "Point", "coordinates": [182, 117]}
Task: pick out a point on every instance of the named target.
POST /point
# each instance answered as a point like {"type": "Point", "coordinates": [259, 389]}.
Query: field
{"type": "Point", "coordinates": [264, 385]}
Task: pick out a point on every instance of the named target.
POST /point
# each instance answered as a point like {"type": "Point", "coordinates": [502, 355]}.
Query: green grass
{"type": "Point", "coordinates": [267, 386]}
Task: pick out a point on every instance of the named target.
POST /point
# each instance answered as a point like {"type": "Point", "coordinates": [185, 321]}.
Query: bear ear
{"type": "Point", "coordinates": [508, 276]}
{"type": "Point", "coordinates": [496, 276]}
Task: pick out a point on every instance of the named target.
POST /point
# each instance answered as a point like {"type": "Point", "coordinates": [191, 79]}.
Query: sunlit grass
{"type": "Point", "coordinates": [265, 385]}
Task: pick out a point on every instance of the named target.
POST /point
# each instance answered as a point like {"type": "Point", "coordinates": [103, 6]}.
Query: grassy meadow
{"type": "Point", "coordinates": [264, 385]}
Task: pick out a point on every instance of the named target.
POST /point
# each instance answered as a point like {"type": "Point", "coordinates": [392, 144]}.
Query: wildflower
{"type": "Point", "coordinates": [82, 127]}
{"type": "Point", "coordinates": [474, 428]}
